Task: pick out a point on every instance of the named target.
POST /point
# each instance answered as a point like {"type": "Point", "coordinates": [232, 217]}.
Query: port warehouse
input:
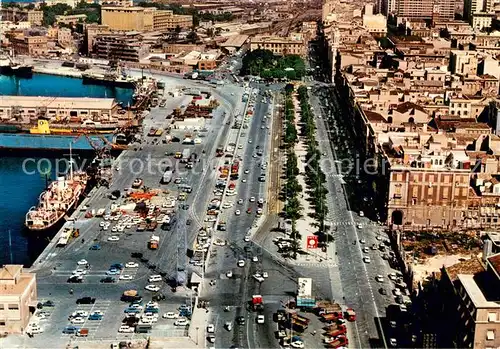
{"type": "Point", "coordinates": [28, 107]}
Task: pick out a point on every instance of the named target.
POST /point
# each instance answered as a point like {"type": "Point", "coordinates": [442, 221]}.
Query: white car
{"type": "Point", "coordinates": [136, 306]}
{"type": "Point", "coordinates": [265, 274]}
{"type": "Point", "coordinates": [241, 263]}
{"type": "Point", "coordinates": [379, 278]}
{"type": "Point", "coordinates": [261, 201]}
{"type": "Point", "coordinates": [240, 201]}
{"type": "Point", "coordinates": [247, 171]}
{"type": "Point", "coordinates": [237, 212]}
{"type": "Point", "coordinates": [397, 292]}
{"type": "Point", "coordinates": [79, 313]}
{"type": "Point", "coordinates": [132, 265]}
{"type": "Point", "coordinates": [361, 214]}
{"type": "Point", "coordinates": [366, 259]}
{"type": "Point", "coordinates": [393, 276]}
{"type": "Point", "coordinates": [393, 342]}
{"type": "Point", "coordinates": [170, 315]}
{"type": "Point", "coordinates": [113, 238]}
{"type": "Point", "coordinates": [78, 320]}
{"type": "Point", "coordinates": [243, 180]}
{"type": "Point", "coordinates": [152, 304]}
{"type": "Point", "coordinates": [125, 277]}
{"type": "Point", "coordinates": [260, 319]}
{"type": "Point", "coordinates": [255, 259]}
{"type": "Point", "coordinates": [252, 199]}
{"type": "Point", "coordinates": [126, 329]}
{"type": "Point", "coordinates": [211, 328]}
{"type": "Point", "coordinates": [152, 288]}
{"type": "Point", "coordinates": [229, 274]}
{"type": "Point", "coordinates": [297, 344]}
{"type": "Point", "coordinates": [181, 322]}
{"type": "Point", "coordinates": [79, 272]}
{"type": "Point", "coordinates": [82, 262]}
{"type": "Point", "coordinates": [363, 241]}
{"type": "Point", "coordinates": [258, 277]}
{"type": "Point", "coordinates": [359, 226]}
{"type": "Point", "coordinates": [247, 238]}
{"type": "Point", "coordinates": [249, 141]}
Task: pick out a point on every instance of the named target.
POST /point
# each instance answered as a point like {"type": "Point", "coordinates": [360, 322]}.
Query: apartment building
{"type": "Point", "coordinates": [425, 9]}
{"type": "Point", "coordinates": [120, 47]}
{"type": "Point", "coordinates": [30, 45]}
{"type": "Point", "coordinates": [71, 19]}
{"type": "Point", "coordinates": [92, 31]}
{"type": "Point", "coordinates": [143, 19]}
{"type": "Point", "coordinates": [18, 298]}
{"type": "Point", "coordinates": [472, 308]}
{"type": "Point", "coordinates": [278, 45]}
{"type": "Point", "coordinates": [14, 14]}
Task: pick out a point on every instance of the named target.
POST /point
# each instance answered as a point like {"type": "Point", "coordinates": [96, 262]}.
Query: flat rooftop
{"type": "Point", "coordinates": [475, 293]}
{"type": "Point", "coordinates": [56, 102]}
{"type": "Point", "coordinates": [235, 41]}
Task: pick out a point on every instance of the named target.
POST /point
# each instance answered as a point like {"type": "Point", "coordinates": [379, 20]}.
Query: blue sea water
{"type": "Point", "coordinates": [19, 190]}
{"type": "Point", "coordinates": [60, 86]}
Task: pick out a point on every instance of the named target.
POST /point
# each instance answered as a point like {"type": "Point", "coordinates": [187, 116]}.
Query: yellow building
{"type": "Point", "coordinates": [278, 45]}
{"type": "Point", "coordinates": [143, 19]}
{"type": "Point", "coordinates": [18, 298]}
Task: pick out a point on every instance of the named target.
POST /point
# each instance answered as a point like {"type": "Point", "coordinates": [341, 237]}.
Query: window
{"type": "Point", "coordinates": [490, 335]}
{"type": "Point", "coordinates": [13, 306]}
{"type": "Point", "coordinates": [492, 317]}
{"type": "Point", "coordinates": [2, 323]}
{"type": "Point", "coordinates": [1, 307]}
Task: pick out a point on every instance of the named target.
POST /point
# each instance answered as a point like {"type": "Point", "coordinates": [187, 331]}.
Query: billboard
{"type": "Point", "coordinates": [304, 289]}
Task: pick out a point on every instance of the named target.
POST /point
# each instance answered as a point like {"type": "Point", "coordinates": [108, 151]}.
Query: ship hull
{"type": "Point", "coordinates": [60, 215]}
{"type": "Point", "coordinates": [88, 80]}
{"type": "Point", "coordinates": [23, 141]}
{"type": "Point", "coordinates": [22, 71]}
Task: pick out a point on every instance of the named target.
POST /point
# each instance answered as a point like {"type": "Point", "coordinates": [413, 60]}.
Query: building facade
{"type": "Point", "coordinates": [120, 47]}
{"type": "Point", "coordinates": [30, 45]}
{"type": "Point", "coordinates": [425, 9]}
{"type": "Point", "coordinates": [71, 19]}
{"type": "Point", "coordinates": [143, 19]}
{"type": "Point", "coordinates": [15, 14]}
{"type": "Point", "coordinates": [18, 298]}
{"type": "Point", "coordinates": [278, 45]}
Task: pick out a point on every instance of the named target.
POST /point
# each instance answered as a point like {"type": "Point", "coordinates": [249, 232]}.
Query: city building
{"type": "Point", "coordinates": [143, 19]}
{"type": "Point", "coordinates": [126, 46]}
{"type": "Point", "coordinates": [18, 298]}
{"type": "Point", "coordinates": [122, 3]}
{"type": "Point", "coordinates": [472, 302]}
{"type": "Point", "coordinates": [29, 45]}
{"type": "Point", "coordinates": [91, 31]}
{"type": "Point", "coordinates": [14, 14]}
{"type": "Point", "coordinates": [278, 45]}
{"type": "Point", "coordinates": [27, 108]}
{"type": "Point", "coordinates": [64, 37]}
{"type": "Point", "coordinates": [70, 3]}
{"type": "Point", "coordinates": [425, 9]}
{"type": "Point", "coordinates": [71, 19]}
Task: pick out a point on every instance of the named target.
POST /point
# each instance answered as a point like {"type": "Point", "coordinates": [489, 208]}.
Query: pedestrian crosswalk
{"type": "Point", "coordinates": [347, 223]}
{"type": "Point", "coordinates": [316, 264]}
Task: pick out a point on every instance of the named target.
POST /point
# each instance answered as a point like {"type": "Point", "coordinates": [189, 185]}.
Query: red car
{"type": "Point", "coordinates": [249, 210]}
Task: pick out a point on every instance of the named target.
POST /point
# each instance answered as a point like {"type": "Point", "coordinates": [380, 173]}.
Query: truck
{"type": "Point", "coordinates": [350, 314]}
{"type": "Point", "coordinates": [130, 296]}
{"type": "Point", "coordinates": [154, 242]}
{"type": "Point", "coordinates": [299, 325]}
{"type": "Point", "coordinates": [167, 176]}
{"type": "Point", "coordinates": [340, 341]}
{"type": "Point", "coordinates": [257, 302]}
{"type": "Point", "coordinates": [235, 168]}
{"type": "Point", "coordinates": [339, 331]}
{"type": "Point", "coordinates": [185, 155]}
{"type": "Point", "coordinates": [332, 317]}
{"type": "Point", "coordinates": [323, 308]}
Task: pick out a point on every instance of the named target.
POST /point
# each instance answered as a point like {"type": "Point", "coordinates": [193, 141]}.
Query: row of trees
{"type": "Point", "coordinates": [292, 188]}
{"type": "Point", "coordinates": [265, 64]}
{"type": "Point", "coordinates": [315, 178]}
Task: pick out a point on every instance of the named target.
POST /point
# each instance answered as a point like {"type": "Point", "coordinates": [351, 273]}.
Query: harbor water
{"type": "Point", "coordinates": [23, 176]}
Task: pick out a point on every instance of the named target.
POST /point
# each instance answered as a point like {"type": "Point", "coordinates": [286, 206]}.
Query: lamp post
{"type": "Point", "coordinates": [197, 335]}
